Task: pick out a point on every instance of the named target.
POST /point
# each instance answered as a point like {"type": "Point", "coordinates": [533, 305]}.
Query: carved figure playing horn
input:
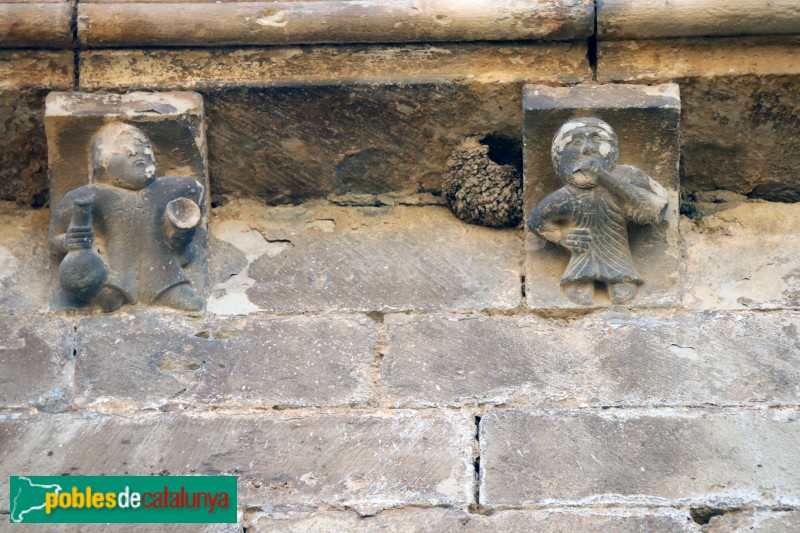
{"type": "Point", "coordinates": [126, 236]}
{"type": "Point", "coordinates": [589, 216]}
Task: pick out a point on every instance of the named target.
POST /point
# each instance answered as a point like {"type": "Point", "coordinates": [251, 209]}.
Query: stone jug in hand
{"type": "Point", "coordinates": [83, 272]}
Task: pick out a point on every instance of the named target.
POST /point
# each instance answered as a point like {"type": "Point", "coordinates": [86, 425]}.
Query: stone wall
{"type": "Point", "coordinates": [368, 362]}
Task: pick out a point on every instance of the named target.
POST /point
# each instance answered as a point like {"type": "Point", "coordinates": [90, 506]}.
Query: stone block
{"type": "Point", "coordinates": [36, 363]}
{"type": "Point", "coordinates": [24, 258]}
{"type": "Point", "coordinates": [740, 107]}
{"type": "Point", "coordinates": [725, 458]}
{"type": "Point", "coordinates": [156, 360]}
{"type": "Point", "coordinates": [629, 19]}
{"type": "Point", "coordinates": [25, 79]}
{"type": "Point", "coordinates": [611, 359]}
{"type": "Point", "coordinates": [41, 23]}
{"type": "Point", "coordinates": [318, 257]}
{"type": "Point", "coordinates": [285, 461]}
{"type": "Point", "coordinates": [743, 257]}
{"type": "Point", "coordinates": [233, 22]}
{"type": "Point", "coordinates": [761, 521]}
{"type": "Point", "coordinates": [646, 120]}
{"type": "Point", "coordinates": [410, 520]}
{"type": "Point", "coordinates": [291, 124]}
{"type": "Point", "coordinates": [130, 220]}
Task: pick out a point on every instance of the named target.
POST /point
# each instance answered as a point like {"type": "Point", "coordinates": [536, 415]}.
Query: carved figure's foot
{"type": "Point", "coordinates": [108, 299]}
{"type": "Point", "coordinates": [581, 293]}
{"type": "Point", "coordinates": [182, 297]}
{"type": "Point", "coordinates": [621, 293]}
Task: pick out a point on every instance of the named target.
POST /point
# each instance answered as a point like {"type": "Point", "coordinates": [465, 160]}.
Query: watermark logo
{"type": "Point", "coordinates": [123, 499]}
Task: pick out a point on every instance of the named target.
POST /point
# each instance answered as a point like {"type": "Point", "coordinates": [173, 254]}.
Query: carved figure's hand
{"type": "Point", "coordinates": [593, 166]}
{"type": "Point", "coordinates": [577, 240]}
{"type": "Point", "coordinates": [78, 237]}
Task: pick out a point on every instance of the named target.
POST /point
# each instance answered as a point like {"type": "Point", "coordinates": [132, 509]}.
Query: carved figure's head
{"type": "Point", "coordinates": [122, 156]}
{"type": "Point", "coordinates": [581, 140]}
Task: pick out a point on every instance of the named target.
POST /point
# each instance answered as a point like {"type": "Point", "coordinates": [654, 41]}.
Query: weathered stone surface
{"type": "Point", "coordinates": [317, 257]}
{"type": "Point", "coordinates": [284, 462]}
{"type": "Point", "coordinates": [608, 359]}
{"type": "Point", "coordinates": [646, 120]}
{"type": "Point", "coordinates": [25, 79]}
{"type": "Point", "coordinates": [132, 528]}
{"type": "Point", "coordinates": [743, 257]}
{"type": "Point", "coordinates": [41, 23]}
{"type": "Point", "coordinates": [760, 521]}
{"type": "Point", "coordinates": [208, 23]}
{"type": "Point", "coordinates": [725, 458]}
{"type": "Point", "coordinates": [24, 258]}
{"type": "Point", "coordinates": [36, 363]}
{"type": "Point", "coordinates": [193, 69]}
{"type": "Point", "coordinates": [657, 61]}
{"type": "Point", "coordinates": [620, 19]}
{"type": "Point", "coordinates": [740, 108]}
{"type": "Point", "coordinates": [452, 521]}
{"type": "Point", "coordinates": [153, 360]}
{"type": "Point", "coordinates": [290, 124]}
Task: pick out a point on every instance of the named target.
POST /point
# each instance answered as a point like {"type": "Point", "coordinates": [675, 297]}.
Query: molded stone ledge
{"type": "Point", "coordinates": [36, 363]}
{"type": "Point", "coordinates": [285, 462]}
{"type": "Point", "coordinates": [635, 19]}
{"type": "Point", "coordinates": [40, 23]}
{"type": "Point", "coordinates": [151, 360]}
{"type": "Point", "coordinates": [193, 69]}
{"type": "Point", "coordinates": [318, 257]}
{"type": "Point", "coordinates": [743, 257]}
{"type": "Point", "coordinates": [621, 359]}
{"type": "Point", "coordinates": [231, 22]}
{"type": "Point", "coordinates": [659, 61]}
{"type": "Point", "coordinates": [455, 521]}
{"type": "Point", "coordinates": [723, 459]}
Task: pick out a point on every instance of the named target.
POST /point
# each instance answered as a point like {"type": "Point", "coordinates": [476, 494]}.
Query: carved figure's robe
{"type": "Point", "coordinates": [130, 233]}
{"type": "Point", "coordinates": [608, 256]}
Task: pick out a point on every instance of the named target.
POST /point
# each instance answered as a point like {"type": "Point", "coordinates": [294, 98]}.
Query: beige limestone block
{"type": "Point", "coordinates": [25, 79]}
{"type": "Point", "coordinates": [611, 359]}
{"type": "Point", "coordinates": [411, 520]}
{"type": "Point", "coordinates": [647, 19]}
{"type": "Point", "coordinates": [621, 457]}
{"type": "Point", "coordinates": [24, 259]}
{"type": "Point", "coordinates": [318, 257]}
{"type": "Point", "coordinates": [658, 61]}
{"type": "Point", "coordinates": [36, 363]}
{"type": "Point", "coordinates": [41, 23]}
{"type": "Point", "coordinates": [206, 23]}
{"type": "Point", "coordinates": [286, 461]}
{"type": "Point", "coordinates": [646, 120]}
{"type": "Point", "coordinates": [743, 257]}
{"type": "Point", "coordinates": [260, 362]}
{"type": "Point", "coordinates": [753, 520]}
